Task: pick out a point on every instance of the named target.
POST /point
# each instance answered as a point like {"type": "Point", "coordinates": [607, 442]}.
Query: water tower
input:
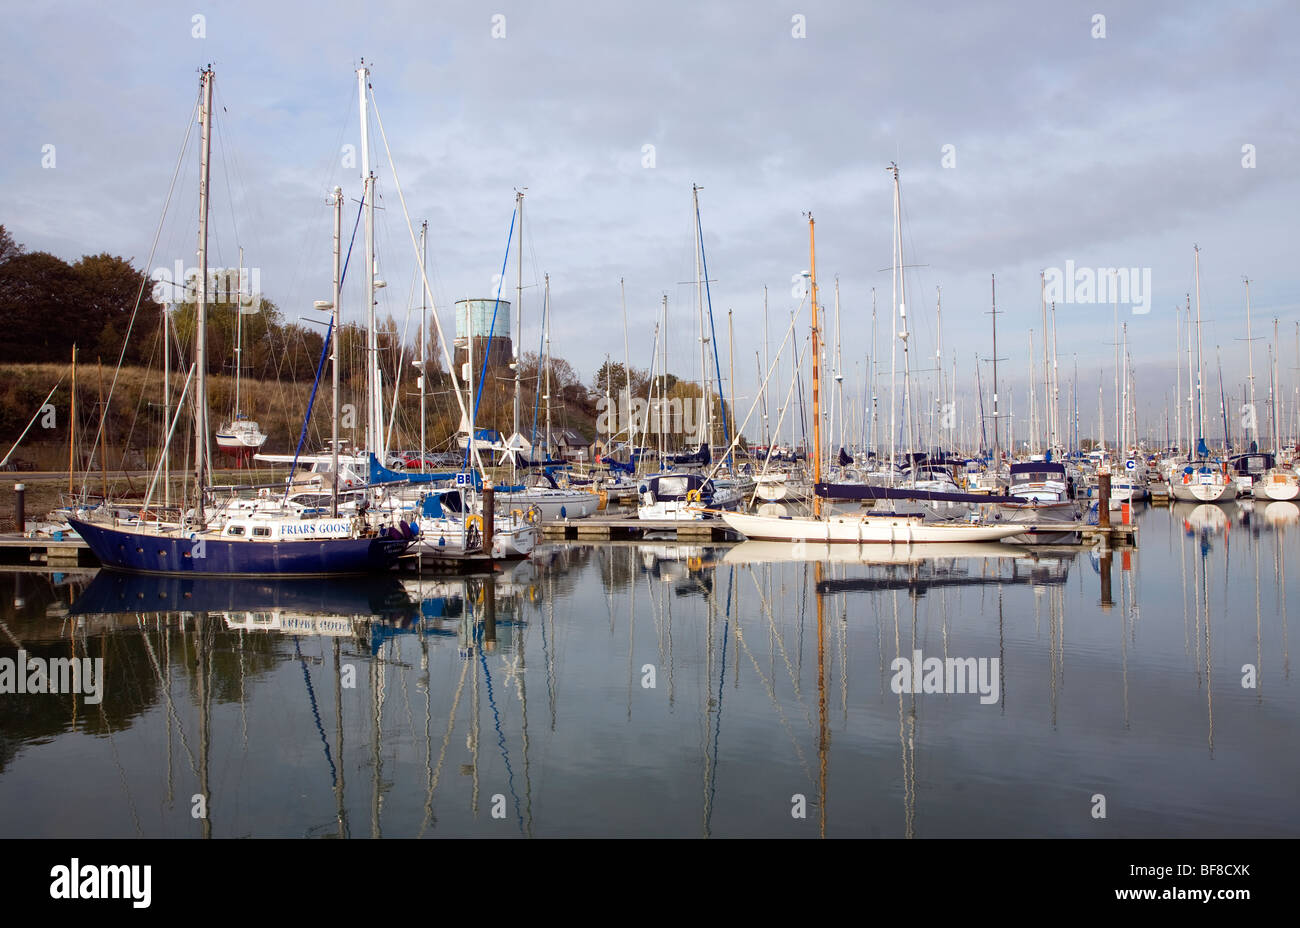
{"type": "Point", "coordinates": [491, 341]}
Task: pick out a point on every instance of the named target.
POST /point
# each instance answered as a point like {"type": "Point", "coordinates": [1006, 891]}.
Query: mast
{"type": "Point", "coordinates": [424, 340]}
{"type": "Point", "coordinates": [627, 365]}
{"type": "Point", "coordinates": [762, 374]}
{"type": "Point", "coordinates": [1056, 387]}
{"type": "Point", "coordinates": [201, 301]}
{"type": "Point", "coordinates": [893, 335]}
{"type": "Point", "coordinates": [546, 312]}
{"type": "Point", "coordinates": [706, 418]}
{"type": "Point", "coordinates": [1047, 376]}
{"type": "Point", "coordinates": [663, 392]}
{"type": "Point", "coordinates": [167, 410]}
{"type": "Point", "coordinates": [1119, 429]}
{"type": "Point", "coordinates": [334, 322]}
{"type": "Point", "coordinates": [375, 417]}
{"type": "Point", "coordinates": [239, 330]}
{"type": "Point", "coordinates": [72, 427]}
{"type": "Point", "coordinates": [816, 372]}
{"type": "Point", "coordinates": [731, 374]}
{"type": "Point", "coordinates": [997, 445]}
{"type": "Point", "coordinates": [837, 407]}
{"type": "Point", "coordinates": [1250, 361]}
{"type": "Point", "coordinates": [1178, 389]}
{"type": "Point", "coordinates": [519, 319]}
{"type": "Point", "coordinates": [1200, 355]}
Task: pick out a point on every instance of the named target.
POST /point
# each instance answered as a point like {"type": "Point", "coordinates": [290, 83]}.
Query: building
{"type": "Point", "coordinates": [491, 336]}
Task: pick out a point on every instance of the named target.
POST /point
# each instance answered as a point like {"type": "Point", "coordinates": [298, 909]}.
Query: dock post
{"type": "Point", "coordinates": [489, 516]}
{"type": "Point", "coordinates": [1103, 500]}
{"type": "Point", "coordinates": [20, 507]}
{"type": "Point", "coordinates": [1107, 597]}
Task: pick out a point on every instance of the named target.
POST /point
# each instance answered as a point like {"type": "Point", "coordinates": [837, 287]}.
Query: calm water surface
{"type": "Point", "coordinates": [671, 690]}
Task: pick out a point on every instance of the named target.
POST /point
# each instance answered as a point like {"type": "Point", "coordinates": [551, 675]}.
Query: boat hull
{"type": "Point", "coordinates": [861, 530]}
{"type": "Point", "coordinates": [173, 553]}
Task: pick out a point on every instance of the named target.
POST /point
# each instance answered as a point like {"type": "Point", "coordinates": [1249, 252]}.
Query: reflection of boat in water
{"type": "Point", "coordinates": [113, 592]}
{"type": "Point", "coordinates": [1205, 516]}
{"type": "Point", "coordinates": [762, 552]}
{"type": "Point", "coordinates": [1280, 513]}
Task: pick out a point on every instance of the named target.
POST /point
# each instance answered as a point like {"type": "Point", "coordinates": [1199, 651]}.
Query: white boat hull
{"type": "Point", "coordinates": [863, 529]}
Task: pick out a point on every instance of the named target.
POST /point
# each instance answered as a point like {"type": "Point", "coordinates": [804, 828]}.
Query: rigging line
{"type": "Point", "coordinates": [496, 715]}
{"type": "Point", "coordinates": [320, 367]}
{"type": "Point", "coordinates": [315, 711]}
{"type": "Point", "coordinates": [144, 277]}
{"type": "Point", "coordinates": [442, 342]}
{"type": "Point", "coordinates": [35, 416]}
{"type": "Point", "coordinates": [717, 365]}
{"type": "Point", "coordinates": [437, 771]}
{"type": "Point", "coordinates": [482, 374]}
{"type": "Point", "coordinates": [717, 719]}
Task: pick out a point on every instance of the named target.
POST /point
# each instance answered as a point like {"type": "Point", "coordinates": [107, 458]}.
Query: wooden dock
{"type": "Point", "coordinates": [623, 528]}
{"type": "Point", "coordinates": [63, 553]}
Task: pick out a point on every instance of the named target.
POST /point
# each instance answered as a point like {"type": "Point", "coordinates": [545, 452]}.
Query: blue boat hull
{"type": "Point", "coordinates": [141, 552]}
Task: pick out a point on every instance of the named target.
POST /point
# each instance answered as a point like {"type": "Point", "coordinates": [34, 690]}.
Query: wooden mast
{"type": "Point", "coordinates": [72, 425]}
{"type": "Point", "coordinates": [816, 371]}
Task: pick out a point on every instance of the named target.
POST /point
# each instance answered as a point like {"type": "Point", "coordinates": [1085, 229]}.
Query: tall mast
{"type": "Point", "coordinates": [72, 427]}
{"type": "Point", "coordinates": [1033, 437]}
{"type": "Point", "coordinates": [546, 313]}
{"type": "Point", "coordinates": [816, 371]}
{"type": "Point", "coordinates": [1119, 440]}
{"type": "Point", "coordinates": [706, 418]}
{"type": "Point", "coordinates": [627, 362]}
{"type": "Point", "coordinates": [1056, 387]}
{"type": "Point", "coordinates": [893, 334]}
{"type": "Point", "coordinates": [663, 392]}
{"type": "Point", "coordinates": [201, 301]}
{"type": "Point", "coordinates": [1250, 361]}
{"type": "Point", "coordinates": [424, 340]}
{"type": "Point", "coordinates": [375, 417]}
{"type": "Point", "coordinates": [1178, 389]}
{"type": "Point", "coordinates": [167, 410]}
{"type": "Point", "coordinates": [837, 405]}
{"type": "Point", "coordinates": [1275, 390]}
{"type": "Point", "coordinates": [239, 329]}
{"type": "Point", "coordinates": [519, 317]}
{"type": "Point", "coordinates": [938, 364]}
{"type": "Point", "coordinates": [1192, 437]}
{"type": "Point", "coordinates": [1047, 377]}
{"type": "Point", "coordinates": [337, 336]}
{"type": "Point", "coordinates": [1200, 356]}
{"type": "Point", "coordinates": [997, 443]}
{"type": "Point", "coordinates": [762, 374]}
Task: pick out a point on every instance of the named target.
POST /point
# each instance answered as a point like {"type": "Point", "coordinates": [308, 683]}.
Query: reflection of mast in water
{"type": "Point", "coordinates": [906, 728]}
{"type": "Point", "coordinates": [1209, 683]}
{"type": "Point", "coordinates": [203, 646]}
{"type": "Point", "coordinates": [341, 811]}
{"type": "Point", "coordinates": [715, 708]}
{"type": "Point", "coordinates": [1279, 563]}
{"type": "Point", "coordinates": [1259, 653]}
{"type": "Point", "coordinates": [377, 720]}
{"type": "Point", "coordinates": [823, 737]}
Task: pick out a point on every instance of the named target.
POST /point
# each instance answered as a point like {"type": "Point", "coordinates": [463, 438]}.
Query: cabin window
{"type": "Point", "coordinates": [261, 531]}
{"type": "Point", "coordinates": [234, 530]}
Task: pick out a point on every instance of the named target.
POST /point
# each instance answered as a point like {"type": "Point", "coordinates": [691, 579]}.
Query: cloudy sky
{"type": "Point", "coordinates": [1115, 142]}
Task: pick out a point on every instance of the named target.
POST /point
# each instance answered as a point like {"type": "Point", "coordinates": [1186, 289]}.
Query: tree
{"type": "Point", "coordinates": [8, 247]}
{"type": "Point", "coordinates": [43, 308]}
{"type": "Point", "coordinates": [111, 288]}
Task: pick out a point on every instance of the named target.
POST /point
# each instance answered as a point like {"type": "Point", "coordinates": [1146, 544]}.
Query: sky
{"type": "Point", "coordinates": [1028, 137]}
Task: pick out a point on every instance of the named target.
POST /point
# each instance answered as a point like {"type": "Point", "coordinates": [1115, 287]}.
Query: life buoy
{"type": "Point", "coordinates": [693, 496]}
{"type": "Point", "coordinates": [534, 515]}
{"type": "Point", "coordinates": [475, 520]}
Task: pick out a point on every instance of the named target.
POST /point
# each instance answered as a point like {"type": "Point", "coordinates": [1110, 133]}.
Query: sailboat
{"type": "Point", "coordinates": [240, 436]}
{"type": "Point", "coordinates": [852, 528]}
{"type": "Point", "coordinates": [258, 543]}
{"type": "Point", "coordinates": [1201, 480]}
